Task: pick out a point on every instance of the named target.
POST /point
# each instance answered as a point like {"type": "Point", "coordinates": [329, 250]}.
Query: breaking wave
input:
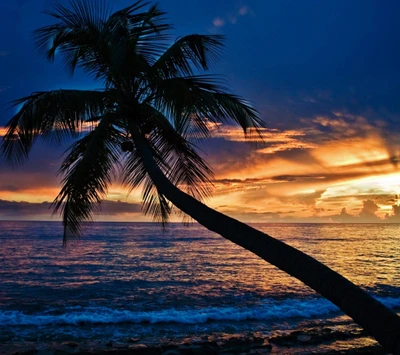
{"type": "Point", "coordinates": [285, 309]}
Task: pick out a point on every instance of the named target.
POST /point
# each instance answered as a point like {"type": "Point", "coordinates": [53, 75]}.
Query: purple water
{"type": "Point", "coordinates": [125, 280]}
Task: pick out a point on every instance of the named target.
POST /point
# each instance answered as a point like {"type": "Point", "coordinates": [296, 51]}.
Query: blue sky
{"type": "Point", "coordinates": [343, 54]}
{"type": "Point", "coordinates": [319, 72]}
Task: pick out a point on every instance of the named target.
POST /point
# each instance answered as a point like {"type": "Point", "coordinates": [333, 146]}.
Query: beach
{"type": "Point", "coordinates": [133, 288]}
{"type": "Point", "coordinates": [311, 341]}
{"type": "Point", "coordinates": [326, 341]}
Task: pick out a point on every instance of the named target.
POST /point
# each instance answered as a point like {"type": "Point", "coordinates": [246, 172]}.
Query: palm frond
{"type": "Point", "coordinates": [88, 171]}
{"type": "Point", "coordinates": [151, 35]}
{"type": "Point", "coordinates": [52, 115]}
{"type": "Point", "coordinates": [89, 13]}
{"type": "Point", "coordinates": [194, 101]}
{"type": "Point", "coordinates": [234, 109]}
{"type": "Point", "coordinates": [151, 96]}
{"type": "Point", "coordinates": [174, 155]}
{"type": "Point", "coordinates": [155, 203]}
{"type": "Point", "coordinates": [76, 34]}
{"type": "Point", "coordinates": [113, 48]}
{"type": "Point", "coordinates": [83, 13]}
{"type": "Point", "coordinates": [135, 175]}
{"type": "Point", "coordinates": [185, 168]}
{"type": "Point", "coordinates": [192, 51]}
{"type": "Point", "coordinates": [135, 38]}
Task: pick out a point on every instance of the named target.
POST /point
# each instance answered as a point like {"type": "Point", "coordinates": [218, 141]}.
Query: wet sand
{"type": "Point", "coordinates": [325, 341]}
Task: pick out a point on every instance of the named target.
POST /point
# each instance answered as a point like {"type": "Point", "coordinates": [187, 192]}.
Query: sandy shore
{"type": "Point", "coordinates": [325, 341]}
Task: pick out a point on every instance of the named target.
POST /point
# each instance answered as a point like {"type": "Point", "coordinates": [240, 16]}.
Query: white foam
{"type": "Point", "coordinates": [270, 310]}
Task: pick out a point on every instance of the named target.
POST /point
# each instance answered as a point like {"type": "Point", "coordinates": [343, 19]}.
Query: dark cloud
{"type": "Point", "coordinates": [252, 215]}
{"type": "Point", "coordinates": [20, 209]}
{"type": "Point", "coordinates": [118, 207]}
{"type": "Point", "coordinates": [395, 217]}
{"type": "Point", "coordinates": [24, 180]}
{"type": "Point", "coordinates": [26, 210]}
{"type": "Point", "coordinates": [40, 172]}
{"type": "Point", "coordinates": [237, 181]}
{"type": "Point", "coordinates": [368, 214]}
{"type": "Point", "coordinates": [310, 199]}
{"type": "Point", "coordinates": [368, 211]}
{"type": "Point", "coordinates": [379, 199]}
{"type": "Point", "coordinates": [289, 178]}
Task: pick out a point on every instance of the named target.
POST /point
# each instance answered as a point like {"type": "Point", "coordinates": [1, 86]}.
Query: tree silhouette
{"type": "Point", "coordinates": [153, 107]}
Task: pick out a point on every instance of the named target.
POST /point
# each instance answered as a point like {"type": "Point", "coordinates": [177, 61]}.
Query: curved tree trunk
{"type": "Point", "coordinates": [378, 320]}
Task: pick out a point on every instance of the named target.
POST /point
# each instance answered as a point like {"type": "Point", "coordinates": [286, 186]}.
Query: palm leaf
{"type": "Point", "coordinates": [150, 95]}
{"type": "Point", "coordinates": [88, 170]}
{"type": "Point", "coordinates": [53, 115]}
{"type": "Point", "coordinates": [76, 34]}
{"type": "Point", "coordinates": [176, 158]}
{"type": "Point", "coordinates": [196, 100]}
{"type": "Point", "coordinates": [135, 176]}
{"type": "Point", "coordinates": [192, 51]}
{"type": "Point", "coordinates": [135, 40]}
{"type": "Point", "coordinates": [185, 168]}
{"type": "Point", "coordinates": [113, 48]}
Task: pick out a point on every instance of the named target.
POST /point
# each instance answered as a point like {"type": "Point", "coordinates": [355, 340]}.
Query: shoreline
{"type": "Point", "coordinates": [300, 342]}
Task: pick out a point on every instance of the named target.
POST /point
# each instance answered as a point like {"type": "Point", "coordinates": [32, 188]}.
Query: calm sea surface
{"type": "Point", "coordinates": [132, 280]}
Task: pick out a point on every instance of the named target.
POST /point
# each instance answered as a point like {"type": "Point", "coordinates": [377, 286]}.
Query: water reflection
{"type": "Point", "coordinates": [121, 272]}
{"type": "Point", "coordinates": [190, 261]}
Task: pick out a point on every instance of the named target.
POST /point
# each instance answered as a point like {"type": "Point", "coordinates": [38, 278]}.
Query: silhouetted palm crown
{"type": "Point", "coordinates": [154, 105]}
{"type": "Point", "coordinates": [150, 87]}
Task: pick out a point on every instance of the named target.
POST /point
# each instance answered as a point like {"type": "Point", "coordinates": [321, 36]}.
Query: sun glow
{"type": "Point", "coordinates": [31, 195]}
{"type": "Point", "coordinates": [384, 185]}
{"type": "Point", "coordinates": [3, 131]}
{"type": "Point", "coordinates": [352, 151]}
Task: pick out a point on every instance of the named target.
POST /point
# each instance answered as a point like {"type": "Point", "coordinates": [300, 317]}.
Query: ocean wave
{"type": "Point", "coordinates": [271, 310]}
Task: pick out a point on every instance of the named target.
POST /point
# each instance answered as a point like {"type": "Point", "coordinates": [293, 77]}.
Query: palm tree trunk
{"type": "Point", "coordinates": [378, 320]}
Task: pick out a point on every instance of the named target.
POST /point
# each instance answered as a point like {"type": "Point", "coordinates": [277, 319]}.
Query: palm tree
{"type": "Point", "coordinates": [152, 110]}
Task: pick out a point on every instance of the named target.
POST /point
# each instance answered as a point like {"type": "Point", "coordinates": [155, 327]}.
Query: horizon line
{"type": "Point", "coordinates": [194, 222]}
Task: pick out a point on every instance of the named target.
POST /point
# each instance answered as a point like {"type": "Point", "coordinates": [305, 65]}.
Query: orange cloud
{"type": "Point", "coordinates": [351, 151]}
{"type": "Point", "coordinates": [3, 131]}
{"type": "Point", "coordinates": [274, 140]}
{"type": "Point", "coordinates": [31, 195]}
{"type": "Point", "coordinates": [307, 174]}
{"type": "Point", "coordinates": [114, 210]}
{"type": "Point", "coordinates": [84, 127]}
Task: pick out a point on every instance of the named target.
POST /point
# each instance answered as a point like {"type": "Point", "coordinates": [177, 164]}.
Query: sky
{"type": "Point", "coordinates": [324, 75]}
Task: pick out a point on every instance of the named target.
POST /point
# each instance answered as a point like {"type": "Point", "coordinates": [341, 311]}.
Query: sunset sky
{"type": "Point", "coordinates": [324, 75]}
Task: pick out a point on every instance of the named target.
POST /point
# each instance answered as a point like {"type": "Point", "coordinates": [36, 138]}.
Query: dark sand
{"type": "Point", "coordinates": [325, 341]}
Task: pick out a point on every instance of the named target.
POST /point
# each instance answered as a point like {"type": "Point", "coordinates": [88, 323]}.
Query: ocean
{"type": "Point", "coordinates": [130, 285]}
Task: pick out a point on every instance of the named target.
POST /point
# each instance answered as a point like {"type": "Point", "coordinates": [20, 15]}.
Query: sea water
{"type": "Point", "coordinates": [135, 280]}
